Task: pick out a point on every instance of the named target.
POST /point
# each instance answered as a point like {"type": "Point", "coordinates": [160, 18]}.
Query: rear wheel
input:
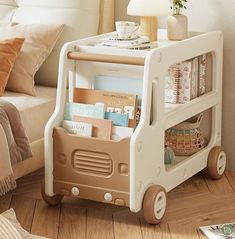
{"type": "Point", "coordinates": [52, 201]}
{"type": "Point", "coordinates": [154, 204]}
{"type": "Point", "coordinates": [216, 163]}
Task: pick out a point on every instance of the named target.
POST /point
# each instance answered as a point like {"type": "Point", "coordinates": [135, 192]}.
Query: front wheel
{"type": "Point", "coordinates": [216, 163]}
{"type": "Point", "coordinates": [154, 204]}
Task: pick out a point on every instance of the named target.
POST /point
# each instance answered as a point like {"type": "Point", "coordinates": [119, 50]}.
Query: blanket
{"type": "Point", "coordinates": [14, 145]}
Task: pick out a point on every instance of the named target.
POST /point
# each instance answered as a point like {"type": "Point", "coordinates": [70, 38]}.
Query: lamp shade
{"type": "Point", "coordinates": [148, 7]}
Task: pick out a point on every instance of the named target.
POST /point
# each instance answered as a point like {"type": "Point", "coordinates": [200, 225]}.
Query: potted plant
{"type": "Point", "coordinates": [177, 23]}
{"type": "Point", "coordinates": [178, 5]}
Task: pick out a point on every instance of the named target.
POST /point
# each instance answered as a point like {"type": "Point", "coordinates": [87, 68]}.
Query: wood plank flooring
{"type": "Point", "coordinates": [198, 201]}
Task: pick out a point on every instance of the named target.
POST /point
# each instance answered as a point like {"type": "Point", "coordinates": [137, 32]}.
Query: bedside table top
{"type": "Point", "coordinates": [94, 44]}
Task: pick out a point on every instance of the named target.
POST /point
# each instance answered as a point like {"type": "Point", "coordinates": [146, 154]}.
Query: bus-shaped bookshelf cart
{"type": "Point", "coordinates": [131, 171]}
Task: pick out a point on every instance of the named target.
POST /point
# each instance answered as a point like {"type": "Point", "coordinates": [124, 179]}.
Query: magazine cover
{"type": "Point", "coordinates": [220, 231]}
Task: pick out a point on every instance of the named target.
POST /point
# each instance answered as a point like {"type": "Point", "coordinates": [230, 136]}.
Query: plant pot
{"type": "Point", "coordinates": [177, 25]}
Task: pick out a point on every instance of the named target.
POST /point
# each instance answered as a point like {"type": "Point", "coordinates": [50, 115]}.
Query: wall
{"type": "Point", "coordinates": [120, 11]}
{"type": "Point", "coordinates": [205, 16]}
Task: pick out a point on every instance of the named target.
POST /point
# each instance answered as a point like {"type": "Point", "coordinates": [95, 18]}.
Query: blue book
{"type": "Point", "coordinates": [93, 111]}
{"type": "Point", "coordinates": [117, 118]}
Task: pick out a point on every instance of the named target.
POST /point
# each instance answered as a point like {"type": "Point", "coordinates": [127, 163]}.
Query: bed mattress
{"type": "Point", "coordinates": [34, 111]}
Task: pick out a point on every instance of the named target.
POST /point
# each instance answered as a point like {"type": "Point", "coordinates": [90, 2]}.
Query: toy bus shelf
{"type": "Point", "coordinates": [83, 60]}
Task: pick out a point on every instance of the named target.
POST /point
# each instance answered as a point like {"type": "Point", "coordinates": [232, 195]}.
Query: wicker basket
{"type": "Point", "coordinates": [186, 138]}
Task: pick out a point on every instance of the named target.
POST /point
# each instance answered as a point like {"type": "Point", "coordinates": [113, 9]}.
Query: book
{"type": "Point", "coordinates": [78, 128]}
{"type": "Point", "coordinates": [171, 84]}
{"type": "Point", "coordinates": [186, 80]}
{"type": "Point", "coordinates": [120, 43]}
{"type": "Point", "coordinates": [194, 78]}
{"type": "Point", "coordinates": [101, 128]}
{"type": "Point", "coordinates": [113, 102]}
{"type": "Point", "coordinates": [87, 110]}
{"type": "Point", "coordinates": [202, 74]}
{"type": "Point", "coordinates": [143, 46]}
{"type": "Point", "coordinates": [187, 88]}
{"type": "Point", "coordinates": [119, 132]}
{"type": "Point", "coordinates": [219, 231]}
{"type": "Point", "coordinates": [117, 118]}
{"type": "Point", "coordinates": [138, 114]}
{"type": "Point", "coordinates": [181, 85]}
{"type": "Point", "coordinates": [120, 84]}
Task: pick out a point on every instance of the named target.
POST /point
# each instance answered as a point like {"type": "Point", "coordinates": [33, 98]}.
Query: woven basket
{"type": "Point", "coordinates": [185, 138]}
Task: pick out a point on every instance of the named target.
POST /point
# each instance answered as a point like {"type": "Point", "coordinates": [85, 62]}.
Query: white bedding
{"type": "Point", "coordinates": [34, 111]}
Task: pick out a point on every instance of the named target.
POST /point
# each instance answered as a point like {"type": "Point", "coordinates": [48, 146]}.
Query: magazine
{"type": "Point", "coordinates": [115, 42]}
{"type": "Point", "coordinates": [220, 231]}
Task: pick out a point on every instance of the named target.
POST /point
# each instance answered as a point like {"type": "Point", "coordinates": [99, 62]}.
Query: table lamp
{"type": "Point", "coordinates": [148, 10]}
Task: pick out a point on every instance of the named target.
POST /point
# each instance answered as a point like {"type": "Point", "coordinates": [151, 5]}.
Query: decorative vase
{"type": "Point", "coordinates": [177, 25]}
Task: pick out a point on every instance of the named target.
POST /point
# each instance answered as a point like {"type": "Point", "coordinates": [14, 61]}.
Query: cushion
{"type": "Point", "coordinates": [80, 16]}
{"type": "Point", "coordinates": [9, 50]}
{"type": "Point", "coordinates": [10, 228]}
{"type": "Point", "coordinates": [39, 42]}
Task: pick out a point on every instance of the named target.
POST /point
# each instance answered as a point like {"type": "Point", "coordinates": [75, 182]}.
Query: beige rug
{"type": "Point", "coordinates": [10, 228]}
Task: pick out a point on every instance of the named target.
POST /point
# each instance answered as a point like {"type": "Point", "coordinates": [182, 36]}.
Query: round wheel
{"type": "Point", "coordinates": [52, 201]}
{"type": "Point", "coordinates": [216, 163]}
{"type": "Point", "coordinates": [154, 204]}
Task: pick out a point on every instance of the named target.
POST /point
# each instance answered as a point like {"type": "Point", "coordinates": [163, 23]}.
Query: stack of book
{"type": "Point", "coordinates": [186, 80]}
{"type": "Point", "coordinates": [102, 114]}
{"type": "Point", "coordinates": [137, 43]}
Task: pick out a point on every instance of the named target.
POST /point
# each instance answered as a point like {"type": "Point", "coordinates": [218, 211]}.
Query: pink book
{"type": "Point", "coordinates": [101, 128]}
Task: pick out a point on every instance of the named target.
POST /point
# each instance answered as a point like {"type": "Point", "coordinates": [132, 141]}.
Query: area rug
{"type": "Point", "coordinates": [10, 228]}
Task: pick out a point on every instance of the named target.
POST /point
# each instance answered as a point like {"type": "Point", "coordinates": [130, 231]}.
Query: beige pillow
{"type": "Point", "coordinates": [39, 42]}
{"type": "Point", "coordinates": [11, 228]}
{"type": "Point", "coordinates": [9, 50]}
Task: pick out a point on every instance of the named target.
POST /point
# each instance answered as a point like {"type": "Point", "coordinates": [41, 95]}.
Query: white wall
{"type": "Point", "coordinates": [120, 11]}
{"type": "Point", "coordinates": [206, 15]}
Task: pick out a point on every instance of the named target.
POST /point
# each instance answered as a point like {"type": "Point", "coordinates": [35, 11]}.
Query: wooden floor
{"type": "Point", "coordinates": [199, 201]}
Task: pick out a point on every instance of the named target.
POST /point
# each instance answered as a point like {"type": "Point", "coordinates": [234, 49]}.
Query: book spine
{"type": "Point", "coordinates": [194, 78]}
{"type": "Point", "coordinates": [202, 75]}
{"type": "Point", "coordinates": [172, 84]}
{"type": "Point", "coordinates": [177, 83]}
{"type": "Point", "coordinates": [138, 114]}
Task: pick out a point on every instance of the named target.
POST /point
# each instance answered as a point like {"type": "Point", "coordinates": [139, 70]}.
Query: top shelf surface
{"type": "Point", "coordinates": [93, 43]}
